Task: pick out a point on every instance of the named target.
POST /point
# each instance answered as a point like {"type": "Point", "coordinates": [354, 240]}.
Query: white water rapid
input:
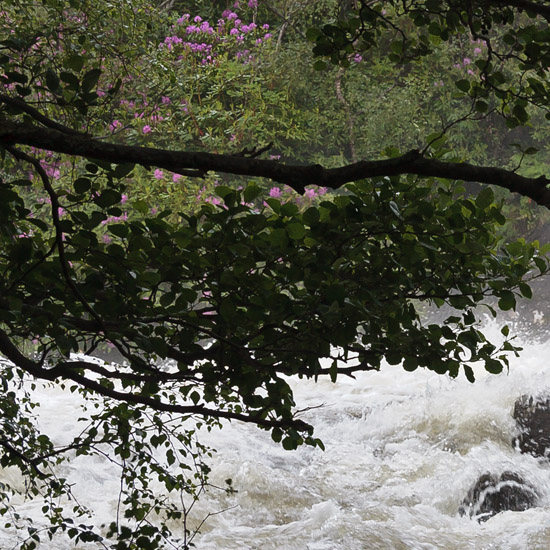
{"type": "Point", "coordinates": [402, 450]}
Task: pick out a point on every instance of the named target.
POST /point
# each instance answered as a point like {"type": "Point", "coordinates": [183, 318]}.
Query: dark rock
{"type": "Point", "coordinates": [493, 494]}
{"type": "Point", "coordinates": [533, 419]}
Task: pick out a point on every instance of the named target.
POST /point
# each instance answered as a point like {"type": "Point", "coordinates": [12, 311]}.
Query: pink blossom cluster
{"type": "Point", "coordinates": [197, 36]}
{"type": "Point", "coordinates": [115, 219]}
{"type": "Point", "coordinates": [52, 170]}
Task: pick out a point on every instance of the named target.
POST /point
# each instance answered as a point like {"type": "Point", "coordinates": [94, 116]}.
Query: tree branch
{"type": "Point", "coordinates": [539, 9]}
{"type": "Point", "coordinates": [297, 177]}
{"type": "Point", "coordinates": [37, 115]}
{"type": "Point", "coordinates": [65, 371]}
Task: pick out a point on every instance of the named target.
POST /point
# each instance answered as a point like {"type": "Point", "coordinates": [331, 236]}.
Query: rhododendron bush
{"type": "Point", "coordinates": [151, 211]}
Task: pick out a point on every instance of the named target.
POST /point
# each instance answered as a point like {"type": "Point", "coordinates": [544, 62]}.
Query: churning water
{"type": "Point", "coordinates": [402, 450]}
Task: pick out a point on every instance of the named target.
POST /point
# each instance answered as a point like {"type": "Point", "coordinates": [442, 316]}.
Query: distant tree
{"type": "Point", "coordinates": [212, 309]}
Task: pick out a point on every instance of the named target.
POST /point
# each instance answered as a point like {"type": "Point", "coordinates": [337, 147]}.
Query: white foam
{"type": "Point", "coordinates": [402, 450]}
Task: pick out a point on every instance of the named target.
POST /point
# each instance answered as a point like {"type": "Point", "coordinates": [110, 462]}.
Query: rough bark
{"type": "Point", "coordinates": [298, 177]}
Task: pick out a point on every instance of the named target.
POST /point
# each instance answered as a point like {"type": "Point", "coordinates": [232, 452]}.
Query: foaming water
{"type": "Point", "coordinates": [402, 450]}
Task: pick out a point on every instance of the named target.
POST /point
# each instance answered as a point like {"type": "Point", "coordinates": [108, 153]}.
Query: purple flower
{"type": "Point", "coordinates": [252, 3]}
{"type": "Point", "coordinates": [114, 125]}
{"type": "Point", "coordinates": [165, 100]}
{"type": "Point", "coordinates": [466, 61]}
{"type": "Point", "coordinates": [275, 192]}
{"type": "Point", "coordinates": [146, 129]}
{"type": "Point", "coordinates": [248, 28]}
{"type": "Point", "coordinates": [310, 193]}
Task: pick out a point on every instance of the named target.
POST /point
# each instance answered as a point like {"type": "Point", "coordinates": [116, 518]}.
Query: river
{"type": "Point", "coordinates": [402, 450]}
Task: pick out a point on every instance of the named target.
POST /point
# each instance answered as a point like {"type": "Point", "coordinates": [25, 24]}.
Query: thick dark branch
{"type": "Point", "coordinates": [297, 177]}
{"type": "Point", "coordinates": [37, 115]}
{"type": "Point", "coordinates": [11, 450]}
{"type": "Point", "coordinates": [535, 7]}
{"type": "Point", "coordinates": [66, 372]}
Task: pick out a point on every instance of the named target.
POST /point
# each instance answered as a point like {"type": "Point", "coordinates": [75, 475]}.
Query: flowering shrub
{"type": "Point", "coordinates": [209, 85]}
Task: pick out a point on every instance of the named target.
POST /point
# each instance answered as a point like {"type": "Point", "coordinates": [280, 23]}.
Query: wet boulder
{"type": "Point", "coordinates": [493, 494]}
{"type": "Point", "coordinates": [532, 415]}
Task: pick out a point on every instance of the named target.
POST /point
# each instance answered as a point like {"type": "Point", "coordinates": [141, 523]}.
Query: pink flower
{"type": "Point", "coordinates": [275, 192]}
{"type": "Point", "coordinates": [310, 193]}
{"type": "Point", "coordinates": [214, 200]}
{"type": "Point", "coordinates": [176, 177]}
{"type": "Point", "coordinates": [107, 239]}
{"type": "Point", "coordinates": [165, 99]}
{"type": "Point", "coordinates": [252, 3]}
{"type": "Point", "coordinates": [159, 174]}
{"type": "Point", "coordinates": [114, 125]}
{"type": "Point", "coordinates": [466, 61]}
{"type": "Point", "coordinates": [477, 51]}
{"type": "Point", "coordinates": [123, 199]}
{"type": "Point", "coordinates": [146, 129]}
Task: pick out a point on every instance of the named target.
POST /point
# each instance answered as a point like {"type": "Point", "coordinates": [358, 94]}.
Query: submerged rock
{"type": "Point", "coordinates": [533, 419]}
{"type": "Point", "coordinates": [493, 494]}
